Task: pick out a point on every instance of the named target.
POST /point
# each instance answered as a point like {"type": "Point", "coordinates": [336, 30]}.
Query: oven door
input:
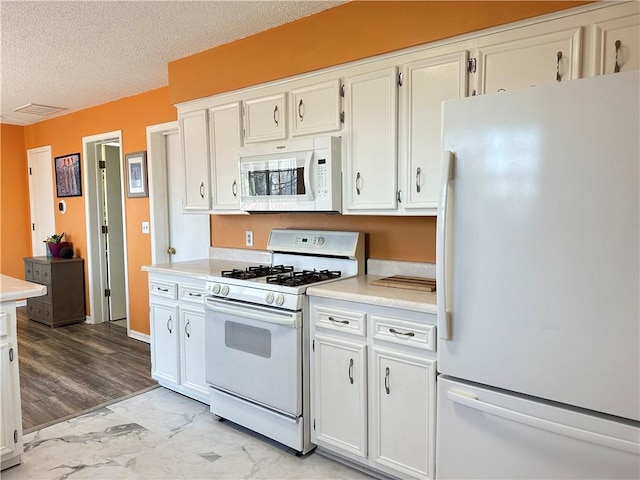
{"type": "Point", "coordinates": [254, 352]}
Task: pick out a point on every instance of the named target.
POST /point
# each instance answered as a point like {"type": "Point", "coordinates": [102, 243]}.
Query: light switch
{"type": "Point", "coordinates": [145, 227]}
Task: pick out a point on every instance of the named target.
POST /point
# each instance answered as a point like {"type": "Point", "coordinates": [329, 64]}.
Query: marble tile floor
{"type": "Point", "coordinates": [160, 434]}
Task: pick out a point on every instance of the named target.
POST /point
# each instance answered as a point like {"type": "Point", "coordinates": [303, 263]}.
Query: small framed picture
{"type": "Point", "coordinates": [137, 174]}
{"type": "Point", "coordinates": [68, 182]}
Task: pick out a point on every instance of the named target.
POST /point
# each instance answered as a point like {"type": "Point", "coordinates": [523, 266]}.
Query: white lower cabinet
{"type": "Point", "coordinates": [177, 334]}
{"type": "Point", "coordinates": [11, 411]}
{"type": "Point", "coordinates": [373, 386]}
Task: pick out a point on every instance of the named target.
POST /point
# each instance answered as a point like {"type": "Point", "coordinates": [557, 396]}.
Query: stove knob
{"type": "Point", "coordinates": [216, 288]}
{"type": "Point", "coordinates": [224, 291]}
{"type": "Point", "coordinates": [320, 241]}
{"type": "Point", "coordinates": [269, 298]}
{"type": "Point", "coordinates": [279, 299]}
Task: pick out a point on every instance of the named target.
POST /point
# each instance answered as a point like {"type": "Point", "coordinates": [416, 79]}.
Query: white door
{"type": "Point", "coordinates": [340, 398]}
{"type": "Point", "coordinates": [114, 237]}
{"type": "Point", "coordinates": [189, 234]}
{"type": "Point", "coordinates": [41, 194]}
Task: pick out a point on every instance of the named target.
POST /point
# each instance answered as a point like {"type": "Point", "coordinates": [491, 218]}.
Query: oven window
{"type": "Point", "coordinates": [248, 339]}
{"type": "Point", "coordinates": [289, 181]}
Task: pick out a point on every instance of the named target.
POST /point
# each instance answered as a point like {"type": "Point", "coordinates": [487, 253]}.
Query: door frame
{"type": "Point", "coordinates": [158, 190]}
{"type": "Point", "coordinates": [97, 301]}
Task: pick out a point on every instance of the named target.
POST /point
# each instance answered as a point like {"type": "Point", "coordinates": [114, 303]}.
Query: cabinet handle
{"type": "Point", "coordinates": [406, 334]}
{"type": "Point", "coordinates": [234, 188]}
{"type": "Point", "coordinates": [351, 371]}
{"type": "Point", "coordinates": [276, 115]}
{"type": "Point", "coordinates": [11, 354]}
{"type": "Point", "coordinates": [160, 289]}
{"type": "Point", "coordinates": [358, 183]}
{"type": "Point", "coordinates": [616, 68]}
{"type": "Point", "coordinates": [558, 57]}
{"type": "Point", "coordinates": [170, 324]}
{"type": "Point", "coordinates": [398, 196]}
{"type": "Point", "coordinates": [386, 381]}
{"type": "Point", "coordinates": [418, 171]}
{"type": "Point", "coordinates": [301, 110]}
{"type": "Point", "coordinates": [187, 328]}
{"type": "Point", "coordinates": [343, 322]}
{"type": "Point", "coordinates": [202, 189]}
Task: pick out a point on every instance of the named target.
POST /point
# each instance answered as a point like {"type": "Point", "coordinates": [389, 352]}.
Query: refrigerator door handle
{"type": "Point", "coordinates": [471, 401]}
{"type": "Point", "coordinates": [441, 240]}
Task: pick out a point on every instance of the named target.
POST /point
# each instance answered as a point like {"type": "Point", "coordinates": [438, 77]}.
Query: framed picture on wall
{"type": "Point", "coordinates": [68, 175]}
{"type": "Point", "coordinates": [137, 174]}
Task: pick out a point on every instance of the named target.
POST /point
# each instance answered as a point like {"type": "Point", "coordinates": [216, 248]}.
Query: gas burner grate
{"type": "Point", "coordinates": [305, 277]}
{"type": "Point", "coordinates": [257, 271]}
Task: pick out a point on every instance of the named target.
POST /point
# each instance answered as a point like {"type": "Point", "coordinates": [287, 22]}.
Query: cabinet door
{"type": "Point", "coordinates": [10, 412]}
{"type": "Point", "coordinates": [192, 367]}
{"type": "Point", "coordinates": [371, 114]}
{"type": "Point", "coordinates": [316, 108]}
{"type": "Point", "coordinates": [618, 45]}
{"type": "Point", "coordinates": [540, 57]}
{"type": "Point", "coordinates": [164, 342]}
{"type": "Point", "coordinates": [425, 85]}
{"type": "Point", "coordinates": [195, 150]}
{"type": "Point", "coordinates": [403, 413]}
{"type": "Point", "coordinates": [265, 119]}
{"type": "Point", "coordinates": [340, 395]}
{"type": "Point", "coordinates": [226, 137]}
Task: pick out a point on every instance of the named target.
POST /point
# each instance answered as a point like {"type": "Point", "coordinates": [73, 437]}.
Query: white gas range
{"type": "Point", "coordinates": [257, 334]}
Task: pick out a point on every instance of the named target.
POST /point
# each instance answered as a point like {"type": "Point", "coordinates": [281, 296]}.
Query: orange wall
{"type": "Point", "coordinates": [15, 236]}
{"type": "Point", "coordinates": [131, 115]}
{"type": "Point", "coordinates": [342, 34]}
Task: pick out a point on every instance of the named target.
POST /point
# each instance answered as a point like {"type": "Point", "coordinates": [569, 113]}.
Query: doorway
{"type": "Point", "coordinates": [175, 235]}
{"type": "Point", "coordinates": [40, 198]}
{"type": "Point", "coordinates": [106, 228]}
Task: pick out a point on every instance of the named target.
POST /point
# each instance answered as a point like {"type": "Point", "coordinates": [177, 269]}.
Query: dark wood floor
{"type": "Point", "coordinates": [66, 370]}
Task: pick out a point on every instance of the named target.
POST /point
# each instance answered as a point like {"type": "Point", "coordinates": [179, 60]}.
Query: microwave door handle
{"type": "Point", "coordinates": [307, 175]}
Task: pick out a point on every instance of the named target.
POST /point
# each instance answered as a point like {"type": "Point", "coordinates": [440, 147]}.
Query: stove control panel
{"type": "Point", "coordinates": [314, 240]}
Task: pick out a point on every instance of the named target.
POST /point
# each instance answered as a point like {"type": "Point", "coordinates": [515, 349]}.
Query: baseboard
{"type": "Point", "coordinates": [143, 337]}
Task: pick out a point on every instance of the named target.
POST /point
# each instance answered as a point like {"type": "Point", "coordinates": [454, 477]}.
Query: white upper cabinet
{"type": "Point", "coordinates": [225, 135]}
{"type": "Point", "coordinates": [265, 118]}
{"type": "Point", "coordinates": [315, 109]}
{"type": "Point", "coordinates": [528, 56]}
{"type": "Point", "coordinates": [195, 150]}
{"type": "Point", "coordinates": [617, 44]}
{"type": "Point", "coordinates": [371, 111]}
{"type": "Point", "coordinates": [425, 85]}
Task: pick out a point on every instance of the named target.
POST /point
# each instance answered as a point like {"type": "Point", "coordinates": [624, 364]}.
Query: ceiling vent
{"type": "Point", "coordinates": [35, 109]}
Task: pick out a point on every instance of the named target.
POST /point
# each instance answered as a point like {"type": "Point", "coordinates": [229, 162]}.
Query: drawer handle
{"type": "Point", "coordinates": [160, 289]}
{"type": "Point", "coordinates": [170, 324]}
{"type": "Point", "coordinates": [191, 294]}
{"type": "Point", "coordinates": [351, 371]}
{"type": "Point", "coordinates": [343, 322]}
{"type": "Point", "coordinates": [187, 329]}
{"type": "Point", "coordinates": [386, 381]}
{"type": "Point", "coordinates": [406, 334]}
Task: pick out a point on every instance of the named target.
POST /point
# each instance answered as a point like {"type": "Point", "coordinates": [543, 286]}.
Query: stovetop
{"type": "Point", "coordinates": [256, 271]}
{"type": "Point", "coordinates": [286, 275]}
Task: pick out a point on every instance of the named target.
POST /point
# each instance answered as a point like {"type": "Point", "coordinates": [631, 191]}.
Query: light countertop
{"type": "Point", "coordinates": [15, 289]}
{"type": "Point", "coordinates": [359, 289]}
{"type": "Point", "coordinates": [200, 269]}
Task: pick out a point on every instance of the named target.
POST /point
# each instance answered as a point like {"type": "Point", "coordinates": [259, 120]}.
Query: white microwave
{"type": "Point", "coordinates": [292, 176]}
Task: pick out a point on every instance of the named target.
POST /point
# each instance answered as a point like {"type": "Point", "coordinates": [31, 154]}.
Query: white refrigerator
{"type": "Point", "coordinates": [538, 270]}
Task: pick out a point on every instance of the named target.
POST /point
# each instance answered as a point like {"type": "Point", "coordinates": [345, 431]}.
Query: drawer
{"type": "Point", "coordinates": [404, 332]}
{"type": "Point", "coordinates": [28, 271]}
{"type": "Point", "coordinates": [42, 273]}
{"type": "Point", "coordinates": [336, 319]}
{"type": "Point", "coordinates": [191, 293]}
{"type": "Point", "coordinates": [39, 311]}
{"type": "Point", "coordinates": [159, 288]}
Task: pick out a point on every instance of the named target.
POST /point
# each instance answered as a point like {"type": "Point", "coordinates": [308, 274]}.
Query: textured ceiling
{"type": "Point", "coordinates": [77, 54]}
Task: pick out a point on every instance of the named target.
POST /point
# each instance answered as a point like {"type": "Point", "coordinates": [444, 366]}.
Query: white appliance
{"type": "Point", "coordinates": [292, 176]}
{"type": "Point", "coordinates": [257, 332]}
{"type": "Point", "coordinates": [538, 283]}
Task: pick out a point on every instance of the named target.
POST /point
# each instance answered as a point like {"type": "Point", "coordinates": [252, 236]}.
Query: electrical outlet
{"type": "Point", "coordinates": [248, 238]}
{"type": "Point", "coordinates": [145, 227]}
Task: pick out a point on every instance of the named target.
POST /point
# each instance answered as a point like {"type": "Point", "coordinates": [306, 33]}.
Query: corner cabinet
{"type": "Point", "coordinates": [176, 307]}
{"type": "Point", "coordinates": [373, 386]}
{"type": "Point", "coordinates": [195, 153]}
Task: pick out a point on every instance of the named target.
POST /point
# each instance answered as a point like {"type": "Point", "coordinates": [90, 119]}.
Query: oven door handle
{"type": "Point", "coordinates": [266, 315]}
